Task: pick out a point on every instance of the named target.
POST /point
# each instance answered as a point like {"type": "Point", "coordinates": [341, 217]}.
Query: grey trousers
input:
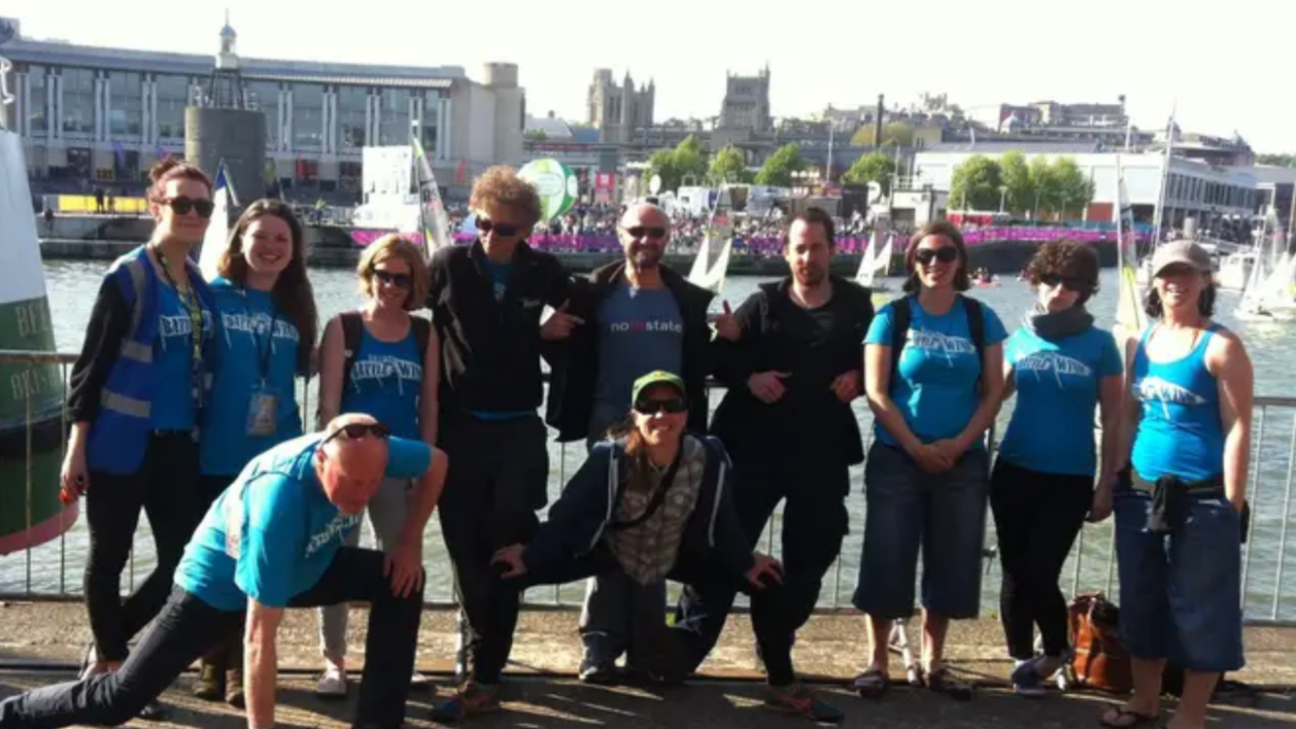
{"type": "Point", "coordinates": [615, 603]}
{"type": "Point", "coordinates": [387, 511]}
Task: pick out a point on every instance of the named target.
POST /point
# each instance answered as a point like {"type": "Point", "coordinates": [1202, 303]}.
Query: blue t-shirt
{"type": "Point", "coordinates": [173, 401]}
{"type": "Point", "coordinates": [1180, 431]}
{"type": "Point", "coordinates": [387, 383]}
{"type": "Point", "coordinates": [936, 386]}
{"type": "Point", "coordinates": [250, 334]}
{"type": "Point", "coordinates": [273, 532]}
{"type": "Point", "coordinates": [1052, 425]}
{"type": "Point", "coordinates": [499, 273]}
{"type": "Point", "coordinates": [640, 331]}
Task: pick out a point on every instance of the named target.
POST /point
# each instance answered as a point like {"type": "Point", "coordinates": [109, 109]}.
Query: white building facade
{"type": "Point", "coordinates": [92, 114]}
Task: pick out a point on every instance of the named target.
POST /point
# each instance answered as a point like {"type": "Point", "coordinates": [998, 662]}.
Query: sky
{"type": "Point", "coordinates": [1222, 67]}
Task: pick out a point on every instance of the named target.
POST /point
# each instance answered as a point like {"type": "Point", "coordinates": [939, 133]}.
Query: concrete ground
{"type": "Point", "coordinates": [41, 642]}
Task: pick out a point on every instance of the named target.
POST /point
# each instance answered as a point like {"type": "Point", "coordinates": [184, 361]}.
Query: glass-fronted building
{"type": "Point", "coordinates": [94, 116]}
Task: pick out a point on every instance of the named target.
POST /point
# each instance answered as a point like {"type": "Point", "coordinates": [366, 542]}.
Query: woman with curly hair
{"type": "Point", "coordinates": [1061, 367]}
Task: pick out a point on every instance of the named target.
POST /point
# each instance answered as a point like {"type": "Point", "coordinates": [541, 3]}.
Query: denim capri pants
{"type": "Point", "coordinates": [1181, 594]}
{"type": "Point", "coordinates": [944, 514]}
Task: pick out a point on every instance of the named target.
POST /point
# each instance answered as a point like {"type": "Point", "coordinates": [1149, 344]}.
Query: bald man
{"type": "Point", "coordinates": [272, 540]}
{"type": "Point", "coordinates": [641, 316]}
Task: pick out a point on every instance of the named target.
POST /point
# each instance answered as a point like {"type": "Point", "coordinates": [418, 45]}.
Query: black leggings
{"type": "Point", "coordinates": [166, 488]}
{"type": "Point", "coordinates": [1037, 516]}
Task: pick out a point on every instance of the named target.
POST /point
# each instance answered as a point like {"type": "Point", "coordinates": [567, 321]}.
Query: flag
{"type": "Point", "coordinates": [216, 240]}
{"type": "Point", "coordinates": [433, 222]}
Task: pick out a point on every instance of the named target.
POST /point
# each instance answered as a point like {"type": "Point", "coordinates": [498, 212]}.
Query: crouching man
{"type": "Point", "coordinates": [274, 540]}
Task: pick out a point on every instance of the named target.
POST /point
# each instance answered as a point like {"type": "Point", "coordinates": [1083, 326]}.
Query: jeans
{"type": "Point", "coordinates": [187, 627]}
{"type": "Point", "coordinates": [1181, 594]}
{"type": "Point", "coordinates": [815, 521]}
{"type": "Point", "coordinates": [497, 483]}
{"type": "Point", "coordinates": [166, 488]}
{"type": "Point", "coordinates": [1037, 517]}
{"type": "Point", "coordinates": [907, 508]}
{"type": "Point", "coordinates": [387, 511]}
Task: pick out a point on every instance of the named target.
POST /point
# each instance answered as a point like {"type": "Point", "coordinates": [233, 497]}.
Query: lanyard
{"type": "Point", "coordinates": [192, 306]}
{"type": "Point", "coordinates": [263, 352]}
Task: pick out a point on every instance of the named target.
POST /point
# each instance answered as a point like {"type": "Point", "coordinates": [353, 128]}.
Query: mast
{"type": "Point", "coordinates": [1165, 178]}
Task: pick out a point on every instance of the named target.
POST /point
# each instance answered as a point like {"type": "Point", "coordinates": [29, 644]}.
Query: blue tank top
{"type": "Point", "coordinates": [386, 382]}
{"type": "Point", "coordinates": [1180, 432]}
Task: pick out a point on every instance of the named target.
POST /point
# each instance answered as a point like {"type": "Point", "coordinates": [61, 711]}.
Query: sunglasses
{"type": "Point", "coordinates": [402, 280]}
{"type": "Point", "coordinates": [642, 232]}
{"type": "Point", "coordinates": [354, 431]}
{"type": "Point", "coordinates": [485, 225]}
{"type": "Point", "coordinates": [944, 254]}
{"type": "Point", "coordinates": [182, 206]}
{"type": "Point", "coordinates": [672, 405]}
{"type": "Point", "coordinates": [1070, 283]}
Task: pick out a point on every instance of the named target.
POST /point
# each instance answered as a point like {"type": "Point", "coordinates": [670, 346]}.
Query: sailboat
{"type": "Point", "coordinates": [1270, 294]}
{"type": "Point", "coordinates": [872, 261]}
{"type": "Point", "coordinates": [216, 240]}
{"type": "Point", "coordinates": [719, 231]}
{"type": "Point", "coordinates": [431, 220]}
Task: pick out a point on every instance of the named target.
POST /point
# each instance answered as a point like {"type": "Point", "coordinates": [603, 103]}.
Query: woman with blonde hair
{"type": "Point", "coordinates": [382, 361]}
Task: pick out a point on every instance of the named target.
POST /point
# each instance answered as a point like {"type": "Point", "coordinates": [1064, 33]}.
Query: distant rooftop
{"type": "Point", "coordinates": [998, 147]}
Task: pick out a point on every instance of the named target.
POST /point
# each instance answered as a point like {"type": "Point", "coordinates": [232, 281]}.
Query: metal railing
{"type": "Point", "coordinates": [1268, 589]}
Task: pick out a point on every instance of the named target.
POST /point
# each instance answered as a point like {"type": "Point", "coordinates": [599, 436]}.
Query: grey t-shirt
{"type": "Point", "coordinates": [640, 331]}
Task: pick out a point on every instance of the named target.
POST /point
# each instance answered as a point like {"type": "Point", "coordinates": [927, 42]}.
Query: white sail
{"type": "Point", "coordinates": [711, 277]}
{"type": "Point", "coordinates": [868, 266]}
{"type": "Point", "coordinates": [882, 261]}
{"type": "Point", "coordinates": [702, 262]}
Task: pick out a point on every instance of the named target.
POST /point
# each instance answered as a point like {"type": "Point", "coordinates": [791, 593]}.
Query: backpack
{"type": "Point", "coordinates": [1098, 658]}
{"type": "Point", "coordinates": [902, 315]}
{"type": "Point", "coordinates": [353, 332]}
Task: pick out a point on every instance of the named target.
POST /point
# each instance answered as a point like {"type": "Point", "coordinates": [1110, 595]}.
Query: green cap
{"type": "Point", "coordinates": [660, 377]}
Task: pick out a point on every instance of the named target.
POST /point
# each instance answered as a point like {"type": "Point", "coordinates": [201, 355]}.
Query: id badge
{"type": "Point", "coordinates": [263, 411]}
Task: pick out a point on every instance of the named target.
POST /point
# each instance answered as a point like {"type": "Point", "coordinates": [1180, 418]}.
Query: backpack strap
{"type": "Point", "coordinates": [352, 333]}
{"type": "Point", "coordinates": [900, 317]}
{"type": "Point", "coordinates": [422, 333]}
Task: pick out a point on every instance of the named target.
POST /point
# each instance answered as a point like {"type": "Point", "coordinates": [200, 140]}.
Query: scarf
{"type": "Point", "coordinates": [1057, 325]}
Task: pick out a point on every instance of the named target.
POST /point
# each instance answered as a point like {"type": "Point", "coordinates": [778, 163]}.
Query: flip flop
{"type": "Point", "coordinates": [871, 684]}
{"type": "Point", "coordinates": [1122, 713]}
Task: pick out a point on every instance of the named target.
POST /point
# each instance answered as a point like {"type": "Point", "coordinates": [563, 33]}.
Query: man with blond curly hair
{"type": "Point", "coordinates": [486, 300]}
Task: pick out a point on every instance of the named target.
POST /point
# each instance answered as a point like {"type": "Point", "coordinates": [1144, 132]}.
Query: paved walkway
{"type": "Point", "coordinates": [40, 642]}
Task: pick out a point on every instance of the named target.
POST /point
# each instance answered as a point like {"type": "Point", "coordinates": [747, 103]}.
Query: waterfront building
{"type": "Point", "coordinates": [95, 116]}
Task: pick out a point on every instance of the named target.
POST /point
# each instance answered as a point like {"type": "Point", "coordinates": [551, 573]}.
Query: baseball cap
{"type": "Point", "coordinates": [658, 377]}
{"type": "Point", "coordinates": [1180, 251]}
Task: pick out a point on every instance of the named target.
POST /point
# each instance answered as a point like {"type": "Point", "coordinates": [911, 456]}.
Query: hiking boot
{"type": "Point", "coordinates": [234, 688]}
{"type": "Point", "coordinates": [210, 682]}
{"type": "Point", "coordinates": [801, 701]}
{"type": "Point", "coordinates": [471, 700]}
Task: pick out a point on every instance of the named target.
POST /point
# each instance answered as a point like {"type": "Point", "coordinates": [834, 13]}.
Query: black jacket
{"type": "Point", "coordinates": [780, 335]}
{"type": "Point", "coordinates": [575, 372]}
{"type": "Point", "coordinates": [490, 351]}
{"type": "Point", "coordinates": [713, 537]}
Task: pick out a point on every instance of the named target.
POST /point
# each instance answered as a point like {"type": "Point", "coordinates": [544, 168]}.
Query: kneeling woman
{"type": "Point", "coordinates": [654, 505]}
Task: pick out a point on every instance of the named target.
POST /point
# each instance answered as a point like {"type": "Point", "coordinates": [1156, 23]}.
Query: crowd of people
{"type": "Point", "coordinates": [183, 407]}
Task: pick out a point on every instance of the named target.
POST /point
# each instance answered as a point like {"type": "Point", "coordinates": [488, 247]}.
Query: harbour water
{"type": "Point", "coordinates": [1271, 589]}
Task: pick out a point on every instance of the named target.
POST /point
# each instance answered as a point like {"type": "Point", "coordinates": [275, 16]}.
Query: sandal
{"type": "Point", "coordinates": [942, 681]}
{"type": "Point", "coordinates": [1124, 713]}
{"type": "Point", "coordinates": [871, 684]}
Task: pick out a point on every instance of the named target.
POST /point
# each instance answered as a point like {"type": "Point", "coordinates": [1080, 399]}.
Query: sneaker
{"type": "Point", "coordinates": [597, 672]}
{"type": "Point", "coordinates": [332, 684]}
{"type": "Point", "coordinates": [154, 710]}
{"type": "Point", "coordinates": [801, 701]}
{"type": "Point", "coordinates": [210, 684]}
{"type": "Point", "coordinates": [471, 700]}
{"type": "Point", "coordinates": [1029, 677]}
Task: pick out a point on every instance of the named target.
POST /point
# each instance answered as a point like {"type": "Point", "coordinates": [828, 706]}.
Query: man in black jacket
{"type": "Point", "coordinates": [486, 302]}
{"type": "Point", "coordinates": [788, 424]}
{"type": "Point", "coordinates": [642, 317]}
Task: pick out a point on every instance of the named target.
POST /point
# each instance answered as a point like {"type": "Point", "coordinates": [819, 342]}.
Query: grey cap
{"type": "Point", "coordinates": [1180, 251]}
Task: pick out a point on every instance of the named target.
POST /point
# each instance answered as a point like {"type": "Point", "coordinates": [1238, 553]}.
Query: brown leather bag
{"type": "Point", "coordinates": [1099, 660]}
